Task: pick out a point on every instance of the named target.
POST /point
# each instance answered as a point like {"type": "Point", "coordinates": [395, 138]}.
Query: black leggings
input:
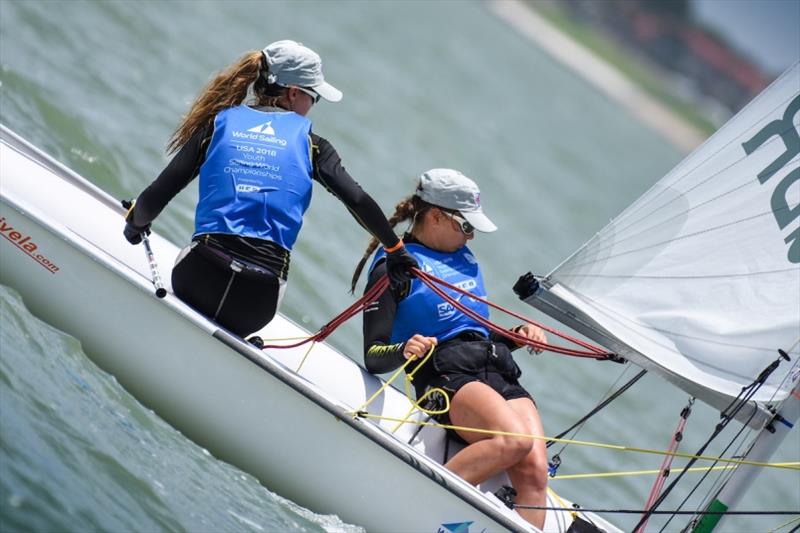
{"type": "Point", "coordinates": [242, 302]}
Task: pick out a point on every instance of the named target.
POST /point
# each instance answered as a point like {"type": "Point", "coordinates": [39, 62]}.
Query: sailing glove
{"type": "Point", "coordinates": [132, 232]}
{"type": "Point", "coordinates": [398, 266]}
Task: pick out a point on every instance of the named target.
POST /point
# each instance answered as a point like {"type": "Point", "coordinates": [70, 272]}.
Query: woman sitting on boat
{"type": "Point", "coordinates": [474, 368]}
{"type": "Point", "coordinates": [256, 165]}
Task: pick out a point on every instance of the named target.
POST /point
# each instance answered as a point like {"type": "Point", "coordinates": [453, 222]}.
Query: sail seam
{"type": "Point", "coordinates": [676, 239]}
{"type": "Point", "coordinates": [712, 276]}
{"type": "Point", "coordinates": [764, 118]}
{"type": "Point", "coordinates": [619, 231]}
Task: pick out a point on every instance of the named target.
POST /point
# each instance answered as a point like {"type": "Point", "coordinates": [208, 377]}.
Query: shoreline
{"type": "Point", "coordinates": [599, 73]}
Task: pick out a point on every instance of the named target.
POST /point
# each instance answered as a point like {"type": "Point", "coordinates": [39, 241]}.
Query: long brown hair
{"type": "Point", "coordinates": [408, 208]}
{"type": "Point", "coordinates": [228, 89]}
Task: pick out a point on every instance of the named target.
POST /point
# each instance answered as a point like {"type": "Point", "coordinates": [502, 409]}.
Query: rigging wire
{"type": "Point", "coordinates": [724, 477]}
{"type": "Point", "coordinates": [591, 351]}
{"type": "Point", "coordinates": [666, 463]}
{"type": "Point", "coordinates": [599, 406]}
{"type": "Point", "coordinates": [790, 522]}
{"type": "Point", "coordinates": [593, 475]}
{"type": "Point", "coordinates": [637, 511]}
{"type": "Point", "coordinates": [616, 447]}
{"type": "Point", "coordinates": [555, 460]}
{"type": "Point", "coordinates": [703, 477]}
{"type": "Point", "coordinates": [727, 415]}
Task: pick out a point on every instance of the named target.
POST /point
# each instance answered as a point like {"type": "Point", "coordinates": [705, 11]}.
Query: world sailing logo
{"type": "Point", "coordinates": [263, 128]}
{"type": "Point", "coordinates": [264, 133]}
{"type": "Point", "coordinates": [784, 213]}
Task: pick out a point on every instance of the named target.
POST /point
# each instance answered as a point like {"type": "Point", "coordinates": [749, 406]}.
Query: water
{"type": "Point", "coordinates": [102, 85]}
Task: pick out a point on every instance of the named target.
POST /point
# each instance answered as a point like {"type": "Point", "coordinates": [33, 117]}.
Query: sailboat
{"type": "Point", "coordinates": [311, 425]}
{"type": "Point", "coordinates": [698, 281]}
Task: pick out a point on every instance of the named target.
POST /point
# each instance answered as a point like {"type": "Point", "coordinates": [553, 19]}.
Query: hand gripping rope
{"type": "Point", "coordinates": [590, 351]}
{"type": "Point", "coordinates": [433, 283]}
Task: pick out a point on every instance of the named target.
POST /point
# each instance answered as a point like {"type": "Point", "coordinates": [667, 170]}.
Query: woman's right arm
{"type": "Point", "coordinates": [180, 171]}
{"type": "Point", "coordinates": [380, 356]}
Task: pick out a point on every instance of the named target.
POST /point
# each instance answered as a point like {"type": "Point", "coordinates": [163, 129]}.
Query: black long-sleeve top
{"type": "Point", "coordinates": [327, 170]}
{"type": "Point", "coordinates": [380, 356]}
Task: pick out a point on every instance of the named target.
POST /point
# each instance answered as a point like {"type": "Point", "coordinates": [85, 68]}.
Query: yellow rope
{"type": "Point", "coordinates": [415, 404]}
{"type": "Point", "coordinates": [378, 392]}
{"type": "Point", "coordinates": [267, 341]}
{"type": "Point", "coordinates": [361, 411]}
{"type": "Point", "coordinates": [562, 503]}
{"type": "Point", "coordinates": [789, 523]}
{"type": "Point", "coordinates": [302, 361]}
{"type": "Point", "coordinates": [418, 406]}
{"type": "Point", "coordinates": [649, 472]}
{"type": "Point", "coordinates": [616, 447]}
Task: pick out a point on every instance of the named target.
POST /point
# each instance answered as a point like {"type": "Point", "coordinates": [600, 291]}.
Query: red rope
{"type": "Point", "coordinates": [663, 472]}
{"type": "Point", "coordinates": [359, 305]}
{"type": "Point", "coordinates": [591, 351]}
{"type": "Point", "coordinates": [383, 283]}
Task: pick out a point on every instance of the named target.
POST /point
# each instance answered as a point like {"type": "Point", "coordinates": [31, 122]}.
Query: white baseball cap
{"type": "Point", "coordinates": [292, 64]}
{"type": "Point", "coordinates": [448, 188]}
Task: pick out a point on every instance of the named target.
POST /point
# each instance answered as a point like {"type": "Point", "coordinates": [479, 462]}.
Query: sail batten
{"type": "Point", "coordinates": [699, 279]}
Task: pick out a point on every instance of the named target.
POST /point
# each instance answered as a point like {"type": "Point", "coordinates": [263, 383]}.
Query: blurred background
{"type": "Point", "coordinates": [489, 88]}
{"type": "Point", "coordinates": [705, 58]}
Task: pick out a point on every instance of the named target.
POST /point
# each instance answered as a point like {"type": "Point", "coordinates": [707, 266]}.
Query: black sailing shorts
{"type": "Point", "coordinates": [458, 362]}
{"type": "Point", "coordinates": [239, 296]}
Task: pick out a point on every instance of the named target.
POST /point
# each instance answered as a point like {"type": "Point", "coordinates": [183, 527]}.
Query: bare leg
{"type": "Point", "coordinates": [477, 405]}
{"type": "Point", "coordinates": [529, 476]}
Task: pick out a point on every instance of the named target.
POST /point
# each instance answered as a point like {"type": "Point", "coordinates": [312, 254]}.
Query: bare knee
{"type": "Point", "coordinates": [533, 469]}
{"type": "Point", "coordinates": [513, 449]}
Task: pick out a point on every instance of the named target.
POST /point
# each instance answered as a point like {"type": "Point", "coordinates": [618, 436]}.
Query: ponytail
{"type": "Point", "coordinates": [227, 89]}
{"type": "Point", "coordinates": [407, 209]}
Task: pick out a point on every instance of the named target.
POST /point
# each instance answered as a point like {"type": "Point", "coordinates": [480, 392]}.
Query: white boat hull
{"type": "Point", "coordinates": [63, 251]}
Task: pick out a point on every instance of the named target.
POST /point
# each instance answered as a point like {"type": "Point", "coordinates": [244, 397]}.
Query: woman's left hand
{"type": "Point", "coordinates": [533, 333]}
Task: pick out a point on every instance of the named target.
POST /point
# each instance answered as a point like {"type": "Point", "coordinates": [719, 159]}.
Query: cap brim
{"type": "Point", "coordinates": [479, 221]}
{"type": "Point", "coordinates": [328, 92]}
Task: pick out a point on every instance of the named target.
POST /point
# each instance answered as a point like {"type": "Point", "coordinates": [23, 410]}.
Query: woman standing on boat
{"type": "Point", "coordinates": [473, 367]}
{"type": "Point", "coordinates": [256, 165]}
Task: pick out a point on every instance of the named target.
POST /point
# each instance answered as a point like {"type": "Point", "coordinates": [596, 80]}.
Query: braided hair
{"type": "Point", "coordinates": [408, 208]}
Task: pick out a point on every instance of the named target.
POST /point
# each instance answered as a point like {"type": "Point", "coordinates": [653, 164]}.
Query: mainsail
{"type": "Point", "coordinates": [699, 279]}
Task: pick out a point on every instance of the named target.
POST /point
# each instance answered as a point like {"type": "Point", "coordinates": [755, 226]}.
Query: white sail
{"type": "Point", "coordinates": [701, 275]}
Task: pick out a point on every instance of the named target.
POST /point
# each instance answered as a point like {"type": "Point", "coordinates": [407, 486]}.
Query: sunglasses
{"type": "Point", "coordinates": [465, 227]}
{"type": "Point", "coordinates": [313, 94]}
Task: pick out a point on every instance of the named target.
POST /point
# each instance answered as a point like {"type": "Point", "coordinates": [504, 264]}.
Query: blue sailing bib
{"type": "Point", "coordinates": [256, 179]}
{"type": "Point", "coordinates": [424, 311]}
